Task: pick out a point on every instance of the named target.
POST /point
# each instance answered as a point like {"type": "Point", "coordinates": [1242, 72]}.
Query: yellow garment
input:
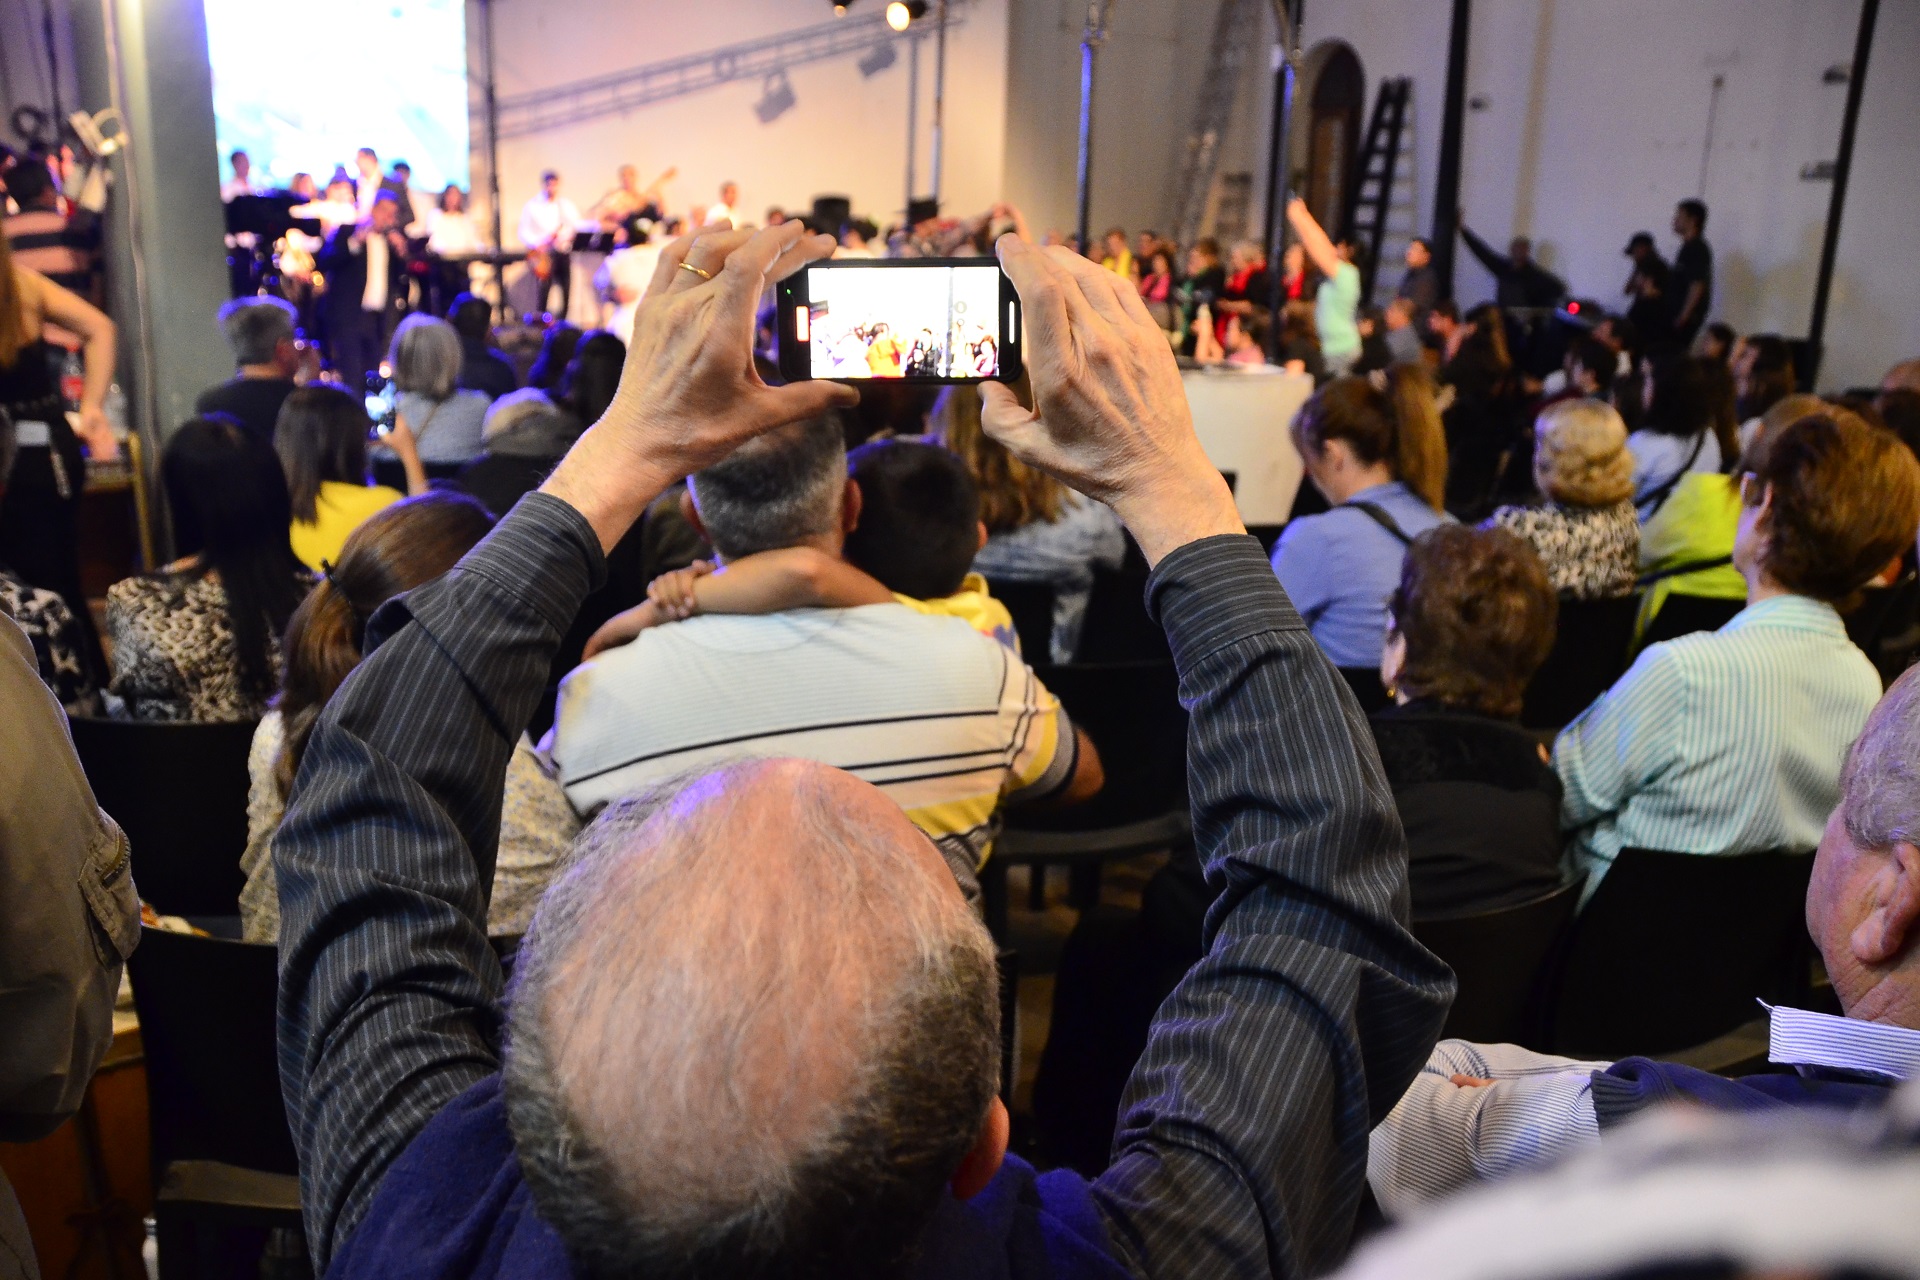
{"type": "Point", "coordinates": [1697, 522]}
{"type": "Point", "coordinates": [1121, 266]}
{"type": "Point", "coordinates": [972, 605]}
{"type": "Point", "coordinates": [341, 508]}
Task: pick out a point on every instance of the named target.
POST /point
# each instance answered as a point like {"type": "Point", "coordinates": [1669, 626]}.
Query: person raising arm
{"type": "Point", "coordinates": [1337, 303]}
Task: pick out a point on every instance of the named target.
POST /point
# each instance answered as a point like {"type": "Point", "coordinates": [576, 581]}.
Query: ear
{"type": "Point", "coordinates": [691, 514]}
{"type": "Point", "coordinates": [850, 506]}
{"type": "Point", "coordinates": [978, 1166]}
{"type": "Point", "coordinates": [1393, 660]}
{"type": "Point", "coordinates": [981, 545]}
{"type": "Point", "coordinates": [1882, 936]}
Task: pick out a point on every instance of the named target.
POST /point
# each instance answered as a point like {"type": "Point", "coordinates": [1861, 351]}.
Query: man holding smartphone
{"type": "Point", "coordinates": [754, 1029]}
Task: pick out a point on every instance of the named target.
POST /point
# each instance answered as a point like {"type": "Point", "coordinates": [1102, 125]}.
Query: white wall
{"type": "Point", "coordinates": [846, 135]}
{"type": "Point", "coordinates": [1596, 123]}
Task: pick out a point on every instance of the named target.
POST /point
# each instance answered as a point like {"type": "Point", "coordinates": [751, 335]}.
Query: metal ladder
{"type": "Point", "coordinates": [1236, 32]}
{"type": "Point", "coordinates": [1370, 200]}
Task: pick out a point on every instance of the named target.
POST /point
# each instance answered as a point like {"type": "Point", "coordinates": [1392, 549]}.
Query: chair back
{"type": "Point", "coordinates": [1589, 653]}
{"type": "Point", "coordinates": [1132, 712]}
{"type": "Point", "coordinates": [1118, 627]}
{"type": "Point", "coordinates": [207, 1027]}
{"type": "Point", "coordinates": [1366, 686]}
{"type": "Point", "coordinates": [1886, 626]}
{"type": "Point", "coordinates": [1031, 604]}
{"type": "Point", "coordinates": [1683, 615]}
{"type": "Point", "coordinates": [179, 791]}
{"type": "Point", "coordinates": [1674, 948]}
{"type": "Point", "coordinates": [1500, 958]}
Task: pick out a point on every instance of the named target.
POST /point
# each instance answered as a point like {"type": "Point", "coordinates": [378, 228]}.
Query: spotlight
{"type": "Point", "coordinates": [902, 13]}
{"type": "Point", "coordinates": [877, 59]}
{"type": "Point", "coordinates": [776, 98]}
{"type": "Point", "coordinates": [840, 8]}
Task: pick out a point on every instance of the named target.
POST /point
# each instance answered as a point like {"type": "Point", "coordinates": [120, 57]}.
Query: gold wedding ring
{"type": "Point", "coordinates": [704, 275]}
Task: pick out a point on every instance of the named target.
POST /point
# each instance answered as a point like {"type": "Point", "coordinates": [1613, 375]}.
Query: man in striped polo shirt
{"type": "Point", "coordinates": [947, 722]}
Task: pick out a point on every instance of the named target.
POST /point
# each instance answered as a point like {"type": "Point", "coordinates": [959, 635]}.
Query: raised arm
{"type": "Point", "coordinates": [76, 315]}
{"type": "Point", "coordinates": [1313, 237]}
{"type": "Point", "coordinates": [1244, 1141]}
{"type": "Point", "coordinates": [388, 989]}
{"type": "Point", "coordinates": [1490, 258]}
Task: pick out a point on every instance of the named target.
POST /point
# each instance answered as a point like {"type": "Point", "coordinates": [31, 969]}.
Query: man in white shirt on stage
{"type": "Point", "coordinates": [369, 180]}
{"type": "Point", "coordinates": [725, 206]}
{"type": "Point", "coordinates": [241, 183]}
{"type": "Point", "coordinates": [547, 225]}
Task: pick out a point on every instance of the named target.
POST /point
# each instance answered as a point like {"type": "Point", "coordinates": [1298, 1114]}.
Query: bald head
{"type": "Point", "coordinates": [754, 1028]}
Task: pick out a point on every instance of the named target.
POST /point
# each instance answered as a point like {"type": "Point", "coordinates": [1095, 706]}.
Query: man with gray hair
{"type": "Point", "coordinates": [1484, 1111]}
{"type": "Point", "coordinates": [938, 716]}
{"type": "Point", "coordinates": [753, 1026]}
{"type": "Point", "coordinates": [267, 353]}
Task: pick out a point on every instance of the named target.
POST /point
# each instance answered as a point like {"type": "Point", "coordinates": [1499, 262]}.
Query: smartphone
{"type": "Point", "coordinates": [382, 407]}
{"type": "Point", "coordinates": [934, 321]}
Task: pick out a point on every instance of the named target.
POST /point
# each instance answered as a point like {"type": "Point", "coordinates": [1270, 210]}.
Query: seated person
{"type": "Point", "coordinates": [267, 355]}
{"type": "Point", "coordinates": [1690, 427]}
{"type": "Point", "coordinates": [879, 690]}
{"type": "Point", "coordinates": [200, 639]}
{"type": "Point", "coordinates": [322, 443]}
{"type": "Point", "coordinates": [1381, 460]}
{"type": "Point", "coordinates": [1586, 532]}
{"type": "Point", "coordinates": [524, 434]}
{"type": "Point", "coordinates": [1484, 1111]}
{"type": "Point", "coordinates": [445, 420]}
{"type": "Point", "coordinates": [1731, 741]}
{"type": "Point", "coordinates": [1469, 624]}
{"type": "Point", "coordinates": [410, 543]}
{"type": "Point", "coordinates": [59, 650]}
{"type": "Point", "coordinates": [1687, 548]}
{"type": "Point", "coordinates": [1038, 530]}
{"type": "Point", "coordinates": [651, 1120]}
{"type": "Point", "coordinates": [919, 529]}
{"type": "Point", "coordinates": [482, 368]}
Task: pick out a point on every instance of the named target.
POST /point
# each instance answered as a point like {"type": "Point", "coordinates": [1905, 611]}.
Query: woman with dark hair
{"type": "Point", "coordinates": [321, 438]}
{"type": "Point", "coordinates": [1469, 624]}
{"type": "Point", "coordinates": [593, 375]}
{"type": "Point", "coordinates": [1763, 374]}
{"type": "Point", "coordinates": [200, 640]}
{"type": "Point", "coordinates": [404, 546]}
{"type": "Point", "coordinates": [1481, 424]}
{"type": "Point", "coordinates": [1379, 458]}
{"type": "Point", "coordinates": [556, 352]}
{"type": "Point", "coordinates": [1690, 427]}
{"type": "Point", "coordinates": [1731, 741]}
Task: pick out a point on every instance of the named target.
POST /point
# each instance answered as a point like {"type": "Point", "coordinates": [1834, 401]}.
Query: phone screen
{"type": "Point", "coordinates": [907, 320]}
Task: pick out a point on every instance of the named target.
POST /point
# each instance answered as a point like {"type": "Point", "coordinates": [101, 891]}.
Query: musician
{"type": "Point", "coordinates": [727, 206]}
{"type": "Point", "coordinates": [241, 183]}
{"type": "Point", "coordinates": [370, 182]}
{"type": "Point", "coordinates": [400, 182]}
{"type": "Point", "coordinates": [628, 204]}
{"type": "Point", "coordinates": [547, 226]}
{"type": "Point", "coordinates": [365, 267]}
{"type": "Point", "coordinates": [452, 242]}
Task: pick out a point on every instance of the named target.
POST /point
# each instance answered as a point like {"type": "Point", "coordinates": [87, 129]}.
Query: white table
{"type": "Point", "coordinates": [1241, 415]}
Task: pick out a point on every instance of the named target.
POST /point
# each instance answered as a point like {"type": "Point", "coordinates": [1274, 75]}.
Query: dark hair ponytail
{"type": "Point", "coordinates": [395, 550]}
{"type": "Point", "coordinates": [1397, 423]}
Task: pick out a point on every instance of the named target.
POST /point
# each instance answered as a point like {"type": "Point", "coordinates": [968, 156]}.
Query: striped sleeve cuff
{"type": "Point", "coordinates": [1216, 592]}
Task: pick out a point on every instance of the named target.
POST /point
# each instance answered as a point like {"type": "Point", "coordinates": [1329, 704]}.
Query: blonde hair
{"type": "Point", "coordinates": [1580, 456]}
{"type": "Point", "coordinates": [1012, 494]}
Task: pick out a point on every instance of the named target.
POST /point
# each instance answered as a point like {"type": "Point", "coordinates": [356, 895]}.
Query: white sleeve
{"type": "Point", "coordinates": [1441, 1137]}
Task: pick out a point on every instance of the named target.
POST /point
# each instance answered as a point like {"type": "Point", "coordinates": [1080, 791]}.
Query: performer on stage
{"type": "Point", "coordinates": [452, 241]}
{"type": "Point", "coordinates": [547, 226]}
{"type": "Point", "coordinates": [365, 270]}
{"type": "Point", "coordinates": [626, 205]}
{"type": "Point", "coordinates": [370, 182]}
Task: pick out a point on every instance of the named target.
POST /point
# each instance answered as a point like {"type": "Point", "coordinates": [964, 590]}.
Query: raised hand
{"type": "Point", "coordinates": [1110, 414]}
{"type": "Point", "coordinates": [689, 394]}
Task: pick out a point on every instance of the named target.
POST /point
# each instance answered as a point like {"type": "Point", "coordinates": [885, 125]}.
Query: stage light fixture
{"type": "Point", "coordinates": [776, 98]}
{"type": "Point", "coordinates": [903, 13]}
{"type": "Point", "coordinates": [877, 59]}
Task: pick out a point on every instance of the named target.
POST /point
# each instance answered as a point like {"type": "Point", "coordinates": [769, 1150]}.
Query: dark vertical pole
{"type": "Point", "coordinates": [1842, 169]}
{"type": "Point", "coordinates": [1090, 38]}
{"type": "Point", "coordinates": [1279, 156]}
{"type": "Point", "coordinates": [913, 114]}
{"type": "Point", "coordinates": [493, 138]}
{"type": "Point", "coordinates": [1446, 185]}
{"type": "Point", "coordinates": [939, 94]}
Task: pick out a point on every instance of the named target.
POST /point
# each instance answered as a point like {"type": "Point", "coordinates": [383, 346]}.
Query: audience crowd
{"type": "Point", "coordinates": [689, 684]}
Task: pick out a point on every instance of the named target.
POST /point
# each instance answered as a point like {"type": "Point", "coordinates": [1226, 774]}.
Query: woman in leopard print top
{"type": "Point", "coordinates": [200, 639]}
{"type": "Point", "coordinates": [1586, 532]}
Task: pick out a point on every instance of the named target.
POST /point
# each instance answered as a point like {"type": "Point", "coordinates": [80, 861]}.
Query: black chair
{"type": "Point", "coordinates": [1118, 627]}
{"type": "Point", "coordinates": [1886, 626]}
{"type": "Point", "coordinates": [1589, 653]}
{"type": "Point", "coordinates": [1366, 686]}
{"type": "Point", "coordinates": [179, 791]}
{"type": "Point", "coordinates": [1683, 615]}
{"type": "Point", "coordinates": [1268, 534]}
{"type": "Point", "coordinates": [1132, 712]}
{"type": "Point", "coordinates": [1499, 958]}
{"type": "Point", "coordinates": [1031, 604]}
{"type": "Point", "coordinates": [391, 473]}
{"type": "Point", "coordinates": [1674, 948]}
{"type": "Point", "coordinates": [1007, 961]}
{"type": "Point", "coordinates": [223, 1157]}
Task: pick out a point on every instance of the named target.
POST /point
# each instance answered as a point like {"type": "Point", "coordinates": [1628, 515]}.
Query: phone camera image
{"type": "Point", "coordinates": [936, 322]}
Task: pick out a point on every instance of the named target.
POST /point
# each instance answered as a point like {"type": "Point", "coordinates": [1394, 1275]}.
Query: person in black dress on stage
{"type": "Point", "coordinates": [39, 524]}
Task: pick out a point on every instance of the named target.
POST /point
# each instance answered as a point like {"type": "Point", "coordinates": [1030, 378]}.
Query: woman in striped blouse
{"type": "Point", "coordinates": [1731, 741]}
